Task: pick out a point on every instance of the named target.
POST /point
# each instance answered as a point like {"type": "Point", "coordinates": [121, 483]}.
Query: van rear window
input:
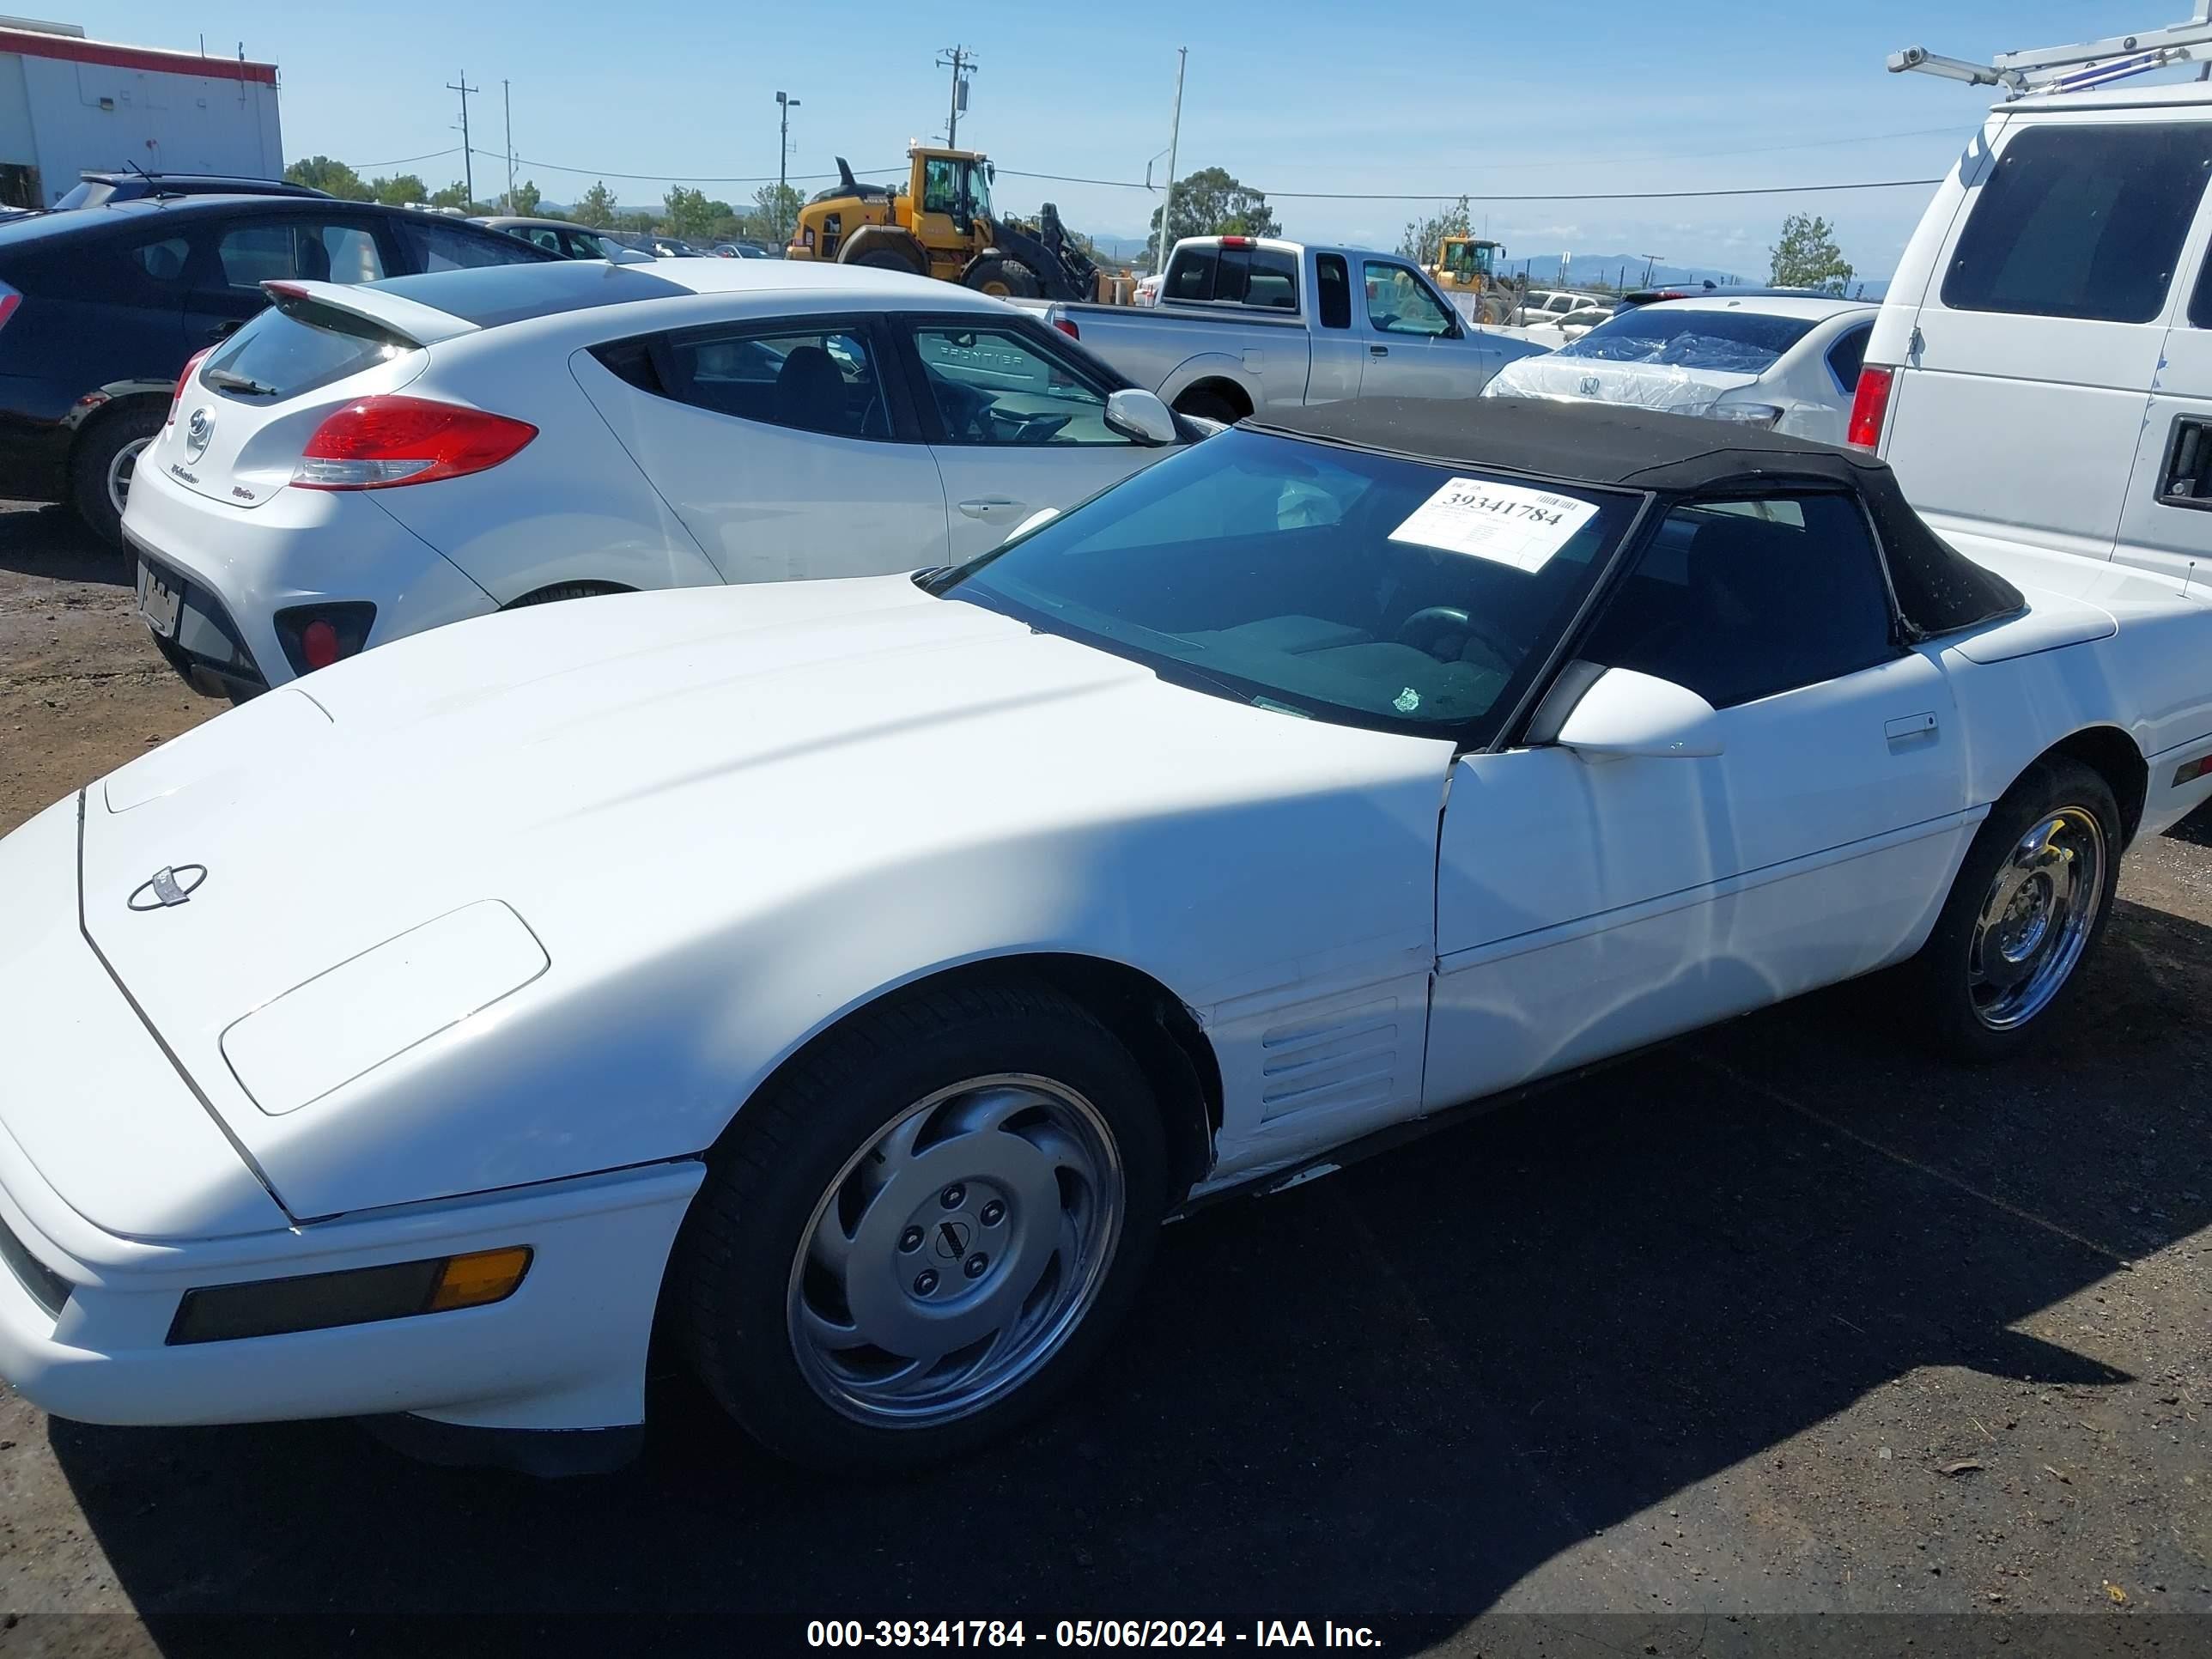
{"type": "Point", "coordinates": [2081, 222]}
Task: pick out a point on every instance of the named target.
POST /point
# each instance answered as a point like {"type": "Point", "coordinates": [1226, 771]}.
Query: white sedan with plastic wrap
{"type": "Point", "coordinates": [845, 978]}
{"type": "Point", "coordinates": [1786, 363]}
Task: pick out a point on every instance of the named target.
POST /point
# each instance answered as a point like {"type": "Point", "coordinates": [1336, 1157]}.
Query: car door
{"type": "Point", "coordinates": [2019, 407]}
{"type": "Point", "coordinates": [1416, 345]}
{"type": "Point", "coordinates": [242, 253]}
{"type": "Point", "coordinates": [1588, 906]}
{"type": "Point", "coordinates": [1015, 422]}
{"type": "Point", "coordinates": [781, 443]}
{"type": "Point", "coordinates": [2166, 523]}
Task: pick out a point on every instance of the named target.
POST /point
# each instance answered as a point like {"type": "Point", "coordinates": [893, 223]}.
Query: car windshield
{"type": "Point", "coordinates": [1737, 341]}
{"type": "Point", "coordinates": [1316, 579]}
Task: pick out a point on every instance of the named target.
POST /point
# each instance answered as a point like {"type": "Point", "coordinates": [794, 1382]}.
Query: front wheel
{"type": "Point", "coordinates": [920, 1233]}
{"type": "Point", "coordinates": [2030, 902]}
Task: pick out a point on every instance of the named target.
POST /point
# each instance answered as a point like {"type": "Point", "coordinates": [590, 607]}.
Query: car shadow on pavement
{"type": "Point", "coordinates": [1405, 1388]}
{"type": "Point", "coordinates": [53, 542]}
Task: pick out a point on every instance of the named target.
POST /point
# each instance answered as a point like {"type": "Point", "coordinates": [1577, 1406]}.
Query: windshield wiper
{"type": "Point", "coordinates": [225, 381]}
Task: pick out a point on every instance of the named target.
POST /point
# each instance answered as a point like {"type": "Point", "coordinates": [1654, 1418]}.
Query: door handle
{"type": "Point", "coordinates": [1378, 351]}
{"type": "Point", "coordinates": [990, 507]}
{"type": "Point", "coordinates": [1909, 726]}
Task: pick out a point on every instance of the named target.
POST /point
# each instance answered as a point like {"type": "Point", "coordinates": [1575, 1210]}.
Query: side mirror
{"type": "Point", "coordinates": [1141, 415]}
{"type": "Point", "coordinates": [1620, 712]}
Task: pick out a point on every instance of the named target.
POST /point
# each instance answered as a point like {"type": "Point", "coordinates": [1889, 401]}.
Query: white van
{"type": "Point", "coordinates": [2041, 371]}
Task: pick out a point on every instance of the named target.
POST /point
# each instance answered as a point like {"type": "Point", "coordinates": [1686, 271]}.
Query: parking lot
{"type": "Point", "coordinates": [1780, 1319]}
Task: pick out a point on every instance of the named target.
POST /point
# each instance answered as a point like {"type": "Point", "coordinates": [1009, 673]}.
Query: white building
{"type": "Point", "coordinates": [67, 104]}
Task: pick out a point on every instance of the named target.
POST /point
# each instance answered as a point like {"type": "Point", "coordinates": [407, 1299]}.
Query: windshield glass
{"type": "Point", "coordinates": [1317, 579]}
{"type": "Point", "coordinates": [1737, 341]}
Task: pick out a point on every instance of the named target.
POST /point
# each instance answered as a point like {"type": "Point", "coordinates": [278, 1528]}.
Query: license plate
{"type": "Point", "coordinates": [157, 601]}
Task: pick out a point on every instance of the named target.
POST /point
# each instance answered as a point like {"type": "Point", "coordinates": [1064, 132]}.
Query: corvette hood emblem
{"type": "Point", "coordinates": [172, 884]}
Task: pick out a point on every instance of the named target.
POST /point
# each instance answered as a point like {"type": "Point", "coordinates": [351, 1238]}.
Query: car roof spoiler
{"type": "Point", "coordinates": [410, 319]}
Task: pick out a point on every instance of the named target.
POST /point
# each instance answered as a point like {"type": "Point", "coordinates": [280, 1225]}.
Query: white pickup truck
{"type": "Point", "coordinates": [1249, 323]}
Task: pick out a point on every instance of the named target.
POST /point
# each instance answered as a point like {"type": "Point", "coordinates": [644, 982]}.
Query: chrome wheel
{"type": "Point", "coordinates": [955, 1253]}
{"type": "Point", "coordinates": [120, 466]}
{"type": "Point", "coordinates": [2036, 919]}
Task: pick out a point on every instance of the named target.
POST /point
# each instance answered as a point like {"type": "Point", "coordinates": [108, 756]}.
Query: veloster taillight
{"type": "Point", "coordinates": [191, 368]}
{"type": "Point", "coordinates": [9, 299]}
{"type": "Point", "coordinates": [1871, 406]}
{"type": "Point", "coordinates": [376, 443]}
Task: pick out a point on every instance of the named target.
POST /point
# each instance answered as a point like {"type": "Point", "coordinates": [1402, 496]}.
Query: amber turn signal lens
{"type": "Point", "coordinates": [472, 1281]}
{"type": "Point", "coordinates": [485, 1277]}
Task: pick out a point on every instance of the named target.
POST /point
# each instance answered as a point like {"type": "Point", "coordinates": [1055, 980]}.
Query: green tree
{"type": "Point", "coordinates": [336, 177]}
{"type": "Point", "coordinates": [1211, 202]}
{"type": "Point", "coordinates": [399, 190]}
{"type": "Point", "coordinates": [1424, 237]}
{"type": "Point", "coordinates": [456, 195]}
{"type": "Point", "coordinates": [525, 200]}
{"type": "Point", "coordinates": [1808, 256]}
{"type": "Point", "coordinates": [597, 208]}
{"type": "Point", "coordinates": [692, 213]}
{"type": "Point", "coordinates": [775, 213]}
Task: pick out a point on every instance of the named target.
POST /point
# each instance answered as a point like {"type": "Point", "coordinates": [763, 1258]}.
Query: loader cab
{"type": "Point", "coordinates": [956, 184]}
{"type": "Point", "coordinates": [1464, 262]}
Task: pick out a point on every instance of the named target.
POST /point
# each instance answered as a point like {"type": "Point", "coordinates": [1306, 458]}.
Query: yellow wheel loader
{"type": "Point", "coordinates": [941, 224]}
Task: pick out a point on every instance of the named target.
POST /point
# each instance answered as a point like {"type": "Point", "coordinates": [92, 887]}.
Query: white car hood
{"type": "Point", "coordinates": [427, 868]}
{"type": "Point", "coordinates": [1646, 386]}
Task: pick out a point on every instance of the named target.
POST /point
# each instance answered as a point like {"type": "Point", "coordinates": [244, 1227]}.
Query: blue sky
{"type": "Point", "coordinates": [1287, 94]}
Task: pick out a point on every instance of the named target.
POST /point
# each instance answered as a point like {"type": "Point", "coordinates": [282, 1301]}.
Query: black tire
{"type": "Point", "coordinates": [731, 1278]}
{"type": "Point", "coordinates": [138, 422]}
{"type": "Point", "coordinates": [1009, 279]}
{"type": "Point", "coordinates": [1204, 404]}
{"type": "Point", "coordinates": [885, 259]}
{"type": "Point", "coordinates": [1935, 988]}
{"type": "Point", "coordinates": [564, 591]}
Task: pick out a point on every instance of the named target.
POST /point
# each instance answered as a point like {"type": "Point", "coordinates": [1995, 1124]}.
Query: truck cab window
{"type": "Point", "coordinates": [1333, 283]}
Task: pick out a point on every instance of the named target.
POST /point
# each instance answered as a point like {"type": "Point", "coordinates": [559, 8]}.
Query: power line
{"type": "Point", "coordinates": [432, 156]}
{"type": "Point", "coordinates": [1455, 195]}
{"type": "Point", "coordinates": [700, 178]}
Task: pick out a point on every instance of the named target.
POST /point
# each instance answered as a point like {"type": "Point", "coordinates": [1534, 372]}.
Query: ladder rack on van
{"type": "Point", "coordinates": [2077, 68]}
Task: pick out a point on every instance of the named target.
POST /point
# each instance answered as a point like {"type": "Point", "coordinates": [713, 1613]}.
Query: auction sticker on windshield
{"type": "Point", "coordinates": [1509, 524]}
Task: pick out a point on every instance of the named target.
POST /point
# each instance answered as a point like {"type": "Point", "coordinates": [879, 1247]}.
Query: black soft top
{"type": "Point", "coordinates": [1939, 590]}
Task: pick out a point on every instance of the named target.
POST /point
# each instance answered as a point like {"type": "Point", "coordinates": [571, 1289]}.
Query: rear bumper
{"type": "Point", "coordinates": [304, 547]}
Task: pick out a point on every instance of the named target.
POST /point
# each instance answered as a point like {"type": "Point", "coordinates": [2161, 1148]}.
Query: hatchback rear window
{"type": "Point", "coordinates": [283, 353]}
{"type": "Point", "coordinates": [2081, 222]}
{"type": "Point", "coordinates": [488, 296]}
{"type": "Point", "coordinates": [1733, 341]}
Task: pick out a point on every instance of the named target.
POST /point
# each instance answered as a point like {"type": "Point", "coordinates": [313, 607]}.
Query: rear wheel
{"type": "Point", "coordinates": [924, 1229]}
{"type": "Point", "coordinates": [2029, 904]}
{"type": "Point", "coordinates": [1004, 279]}
{"type": "Point", "coordinates": [107, 458]}
{"type": "Point", "coordinates": [1204, 404]}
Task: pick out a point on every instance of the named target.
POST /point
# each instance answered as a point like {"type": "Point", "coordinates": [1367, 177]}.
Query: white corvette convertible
{"type": "Point", "coordinates": [851, 976]}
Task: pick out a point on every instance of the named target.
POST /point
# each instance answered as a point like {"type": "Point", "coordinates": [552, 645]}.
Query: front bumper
{"type": "Point", "coordinates": [120, 1192]}
{"type": "Point", "coordinates": [241, 566]}
{"type": "Point", "coordinates": [566, 1353]}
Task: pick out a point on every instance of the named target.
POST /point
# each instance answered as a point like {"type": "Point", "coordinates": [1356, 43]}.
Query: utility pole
{"type": "Point", "coordinates": [961, 63]}
{"type": "Point", "coordinates": [507, 95]}
{"type": "Point", "coordinates": [468, 157]}
{"type": "Point", "coordinates": [1174, 133]}
{"type": "Point", "coordinates": [785, 105]}
{"type": "Point", "coordinates": [1651, 261]}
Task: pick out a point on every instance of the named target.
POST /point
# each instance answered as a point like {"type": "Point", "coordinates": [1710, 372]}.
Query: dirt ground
{"type": "Point", "coordinates": [1781, 1322]}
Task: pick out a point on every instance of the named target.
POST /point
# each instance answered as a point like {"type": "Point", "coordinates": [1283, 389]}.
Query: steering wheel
{"type": "Point", "coordinates": [1439, 621]}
